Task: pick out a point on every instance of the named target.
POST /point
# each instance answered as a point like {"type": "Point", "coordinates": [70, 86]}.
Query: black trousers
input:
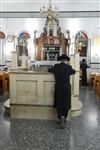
{"type": "Point", "coordinates": [62, 112]}
{"type": "Point", "coordinates": [84, 80]}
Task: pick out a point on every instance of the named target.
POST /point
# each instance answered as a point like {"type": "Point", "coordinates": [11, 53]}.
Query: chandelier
{"type": "Point", "coordinates": [50, 13]}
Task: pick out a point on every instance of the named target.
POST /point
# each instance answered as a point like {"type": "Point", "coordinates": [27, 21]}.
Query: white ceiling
{"type": "Point", "coordinates": [53, 1]}
{"type": "Point", "coordinates": [63, 5]}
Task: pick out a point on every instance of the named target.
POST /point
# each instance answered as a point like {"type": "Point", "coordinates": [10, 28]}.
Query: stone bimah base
{"type": "Point", "coordinates": [32, 94]}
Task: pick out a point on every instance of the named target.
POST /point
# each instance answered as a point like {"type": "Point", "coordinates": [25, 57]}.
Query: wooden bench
{"type": "Point", "coordinates": [95, 81]}
{"type": "Point", "coordinates": [4, 82]}
{"type": "Point", "coordinates": [91, 80]}
{"type": "Point", "coordinates": [98, 86]}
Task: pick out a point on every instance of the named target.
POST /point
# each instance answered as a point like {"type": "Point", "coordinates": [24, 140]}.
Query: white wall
{"type": "Point", "coordinates": [17, 25]}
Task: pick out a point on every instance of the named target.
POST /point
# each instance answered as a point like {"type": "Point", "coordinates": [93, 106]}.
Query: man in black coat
{"type": "Point", "coordinates": [62, 98]}
{"type": "Point", "coordinates": [83, 67]}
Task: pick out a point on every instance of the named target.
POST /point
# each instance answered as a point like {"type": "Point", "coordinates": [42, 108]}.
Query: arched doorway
{"type": "Point", "coordinates": [2, 49]}
{"type": "Point", "coordinates": [81, 42]}
{"type": "Point", "coordinates": [22, 47]}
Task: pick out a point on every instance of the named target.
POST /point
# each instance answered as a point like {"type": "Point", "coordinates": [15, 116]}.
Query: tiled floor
{"type": "Point", "coordinates": [81, 133]}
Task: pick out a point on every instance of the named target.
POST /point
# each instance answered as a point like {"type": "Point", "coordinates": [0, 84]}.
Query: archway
{"type": "Point", "coordinates": [23, 43]}
{"type": "Point", "coordinates": [22, 47]}
{"type": "Point", "coordinates": [81, 42]}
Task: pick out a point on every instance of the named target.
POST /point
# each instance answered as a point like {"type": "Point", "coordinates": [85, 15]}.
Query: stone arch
{"type": "Point", "coordinates": [24, 34]}
{"type": "Point", "coordinates": [2, 35]}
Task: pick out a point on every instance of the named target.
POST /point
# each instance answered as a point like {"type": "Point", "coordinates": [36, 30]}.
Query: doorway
{"type": "Point", "coordinates": [81, 42]}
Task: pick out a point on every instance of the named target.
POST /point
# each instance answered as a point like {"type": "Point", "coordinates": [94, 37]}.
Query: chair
{"type": "Point", "coordinates": [4, 82]}
{"type": "Point", "coordinates": [91, 82]}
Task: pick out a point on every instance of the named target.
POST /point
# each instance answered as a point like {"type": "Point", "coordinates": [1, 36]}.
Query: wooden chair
{"type": "Point", "coordinates": [98, 86]}
{"type": "Point", "coordinates": [1, 82]}
{"type": "Point", "coordinates": [91, 80]}
{"type": "Point", "coordinates": [95, 81]}
{"type": "Point", "coordinates": [6, 82]}
{"type": "Point", "coordinates": [4, 79]}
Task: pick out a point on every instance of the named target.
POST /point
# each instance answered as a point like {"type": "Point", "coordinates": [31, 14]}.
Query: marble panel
{"type": "Point", "coordinates": [48, 87]}
{"type": "Point", "coordinates": [26, 91]}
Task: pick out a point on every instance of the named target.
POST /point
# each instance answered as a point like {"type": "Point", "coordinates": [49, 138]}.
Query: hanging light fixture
{"type": "Point", "coordinates": [50, 13]}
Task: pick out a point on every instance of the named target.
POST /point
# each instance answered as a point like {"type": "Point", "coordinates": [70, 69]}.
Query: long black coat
{"type": "Point", "coordinates": [84, 67]}
{"type": "Point", "coordinates": [62, 72]}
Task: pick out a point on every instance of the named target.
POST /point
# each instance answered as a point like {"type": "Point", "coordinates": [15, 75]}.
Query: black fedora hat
{"type": "Point", "coordinates": [64, 57]}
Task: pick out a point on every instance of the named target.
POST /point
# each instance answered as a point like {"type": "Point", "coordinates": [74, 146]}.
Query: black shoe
{"type": "Point", "coordinates": [62, 123]}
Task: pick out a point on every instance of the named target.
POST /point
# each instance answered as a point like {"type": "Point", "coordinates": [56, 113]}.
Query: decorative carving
{"type": "Point", "coordinates": [51, 35]}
